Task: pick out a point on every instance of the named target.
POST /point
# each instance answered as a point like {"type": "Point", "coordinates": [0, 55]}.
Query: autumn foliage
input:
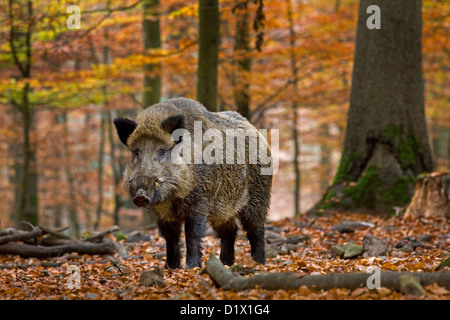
{"type": "Point", "coordinates": [74, 88]}
{"type": "Point", "coordinates": [80, 79]}
{"type": "Point", "coordinates": [298, 246]}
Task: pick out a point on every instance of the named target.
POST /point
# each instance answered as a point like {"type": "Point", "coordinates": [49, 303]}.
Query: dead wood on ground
{"type": "Point", "coordinates": [224, 278]}
{"type": "Point", "coordinates": [44, 242]}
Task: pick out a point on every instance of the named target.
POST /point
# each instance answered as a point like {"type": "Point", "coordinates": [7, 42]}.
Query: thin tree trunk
{"type": "Point", "coordinates": [117, 176]}
{"type": "Point", "coordinates": [86, 193]}
{"type": "Point", "coordinates": [295, 133]}
{"type": "Point", "coordinates": [243, 62]}
{"type": "Point", "coordinates": [152, 73]}
{"type": "Point", "coordinates": [441, 139]}
{"type": "Point", "coordinates": [17, 167]}
{"type": "Point", "coordinates": [208, 53]}
{"type": "Point", "coordinates": [73, 213]}
{"type": "Point", "coordinates": [28, 199]}
{"type": "Point", "coordinates": [21, 47]}
{"type": "Point", "coordinates": [101, 152]}
{"type": "Point", "coordinates": [325, 154]}
{"type": "Point", "coordinates": [386, 144]}
{"type": "Point", "coordinates": [152, 40]}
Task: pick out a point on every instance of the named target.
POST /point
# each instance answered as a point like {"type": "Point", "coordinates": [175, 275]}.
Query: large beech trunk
{"type": "Point", "coordinates": [386, 143]}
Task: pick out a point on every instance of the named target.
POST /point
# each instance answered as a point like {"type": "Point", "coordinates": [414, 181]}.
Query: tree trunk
{"type": "Point", "coordinates": [17, 167]}
{"type": "Point", "coordinates": [295, 133]}
{"type": "Point", "coordinates": [441, 146]}
{"type": "Point", "coordinates": [386, 143]}
{"type": "Point", "coordinates": [117, 176]}
{"type": "Point", "coordinates": [243, 62]}
{"type": "Point", "coordinates": [21, 47]}
{"type": "Point", "coordinates": [325, 155]}
{"type": "Point", "coordinates": [152, 73]}
{"type": "Point", "coordinates": [208, 53]}
{"type": "Point", "coordinates": [28, 191]}
{"type": "Point", "coordinates": [101, 151]}
{"type": "Point", "coordinates": [100, 169]}
{"type": "Point", "coordinates": [152, 40]}
{"type": "Point", "coordinates": [431, 197]}
{"type": "Point", "coordinates": [67, 156]}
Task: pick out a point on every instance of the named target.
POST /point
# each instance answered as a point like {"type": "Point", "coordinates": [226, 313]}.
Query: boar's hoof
{"type": "Point", "coordinates": [141, 199]}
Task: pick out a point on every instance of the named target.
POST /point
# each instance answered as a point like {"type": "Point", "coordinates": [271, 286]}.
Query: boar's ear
{"type": "Point", "coordinates": [172, 123]}
{"type": "Point", "coordinates": [124, 128]}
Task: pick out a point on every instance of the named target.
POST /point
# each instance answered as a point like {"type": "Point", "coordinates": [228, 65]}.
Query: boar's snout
{"type": "Point", "coordinates": [141, 199]}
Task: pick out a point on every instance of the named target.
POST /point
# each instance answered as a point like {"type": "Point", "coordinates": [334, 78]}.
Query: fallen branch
{"type": "Point", "coordinates": [224, 278]}
{"type": "Point", "coordinates": [54, 241]}
{"type": "Point", "coordinates": [55, 233]}
{"type": "Point", "coordinates": [21, 236]}
{"type": "Point", "coordinates": [32, 265]}
{"type": "Point", "coordinates": [26, 250]}
{"type": "Point", "coordinates": [12, 235]}
{"type": "Point", "coordinates": [99, 236]}
{"type": "Point", "coordinates": [7, 231]}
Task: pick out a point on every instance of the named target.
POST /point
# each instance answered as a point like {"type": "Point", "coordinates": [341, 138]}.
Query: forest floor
{"type": "Point", "coordinates": [301, 246]}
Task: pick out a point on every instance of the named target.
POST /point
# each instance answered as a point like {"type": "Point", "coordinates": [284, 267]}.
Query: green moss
{"type": "Point", "coordinates": [121, 236]}
{"type": "Point", "coordinates": [392, 132]}
{"type": "Point", "coordinates": [407, 151]}
{"type": "Point", "coordinates": [329, 205]}
{"type": "Point", "coordinates": [363, 192]}
{"type": "Point", "coordinates": [399, 194]}
{"type": "Point", "coordinates": [370, 190]}
{"type": "Point", "coordinates": [344, 167]}
{"type": "Point", "coordinates": [406, 147]}
{"type": "Point", "coordinates": [330, 201]}
{"type": "Point", "coordinates": [330, 195]}
{"type": "Point", "coordinates": [371, 193]}
{"type": "Point", "coordinates": [341, 172]}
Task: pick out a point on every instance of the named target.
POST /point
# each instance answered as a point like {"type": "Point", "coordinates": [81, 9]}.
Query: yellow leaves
{"type": "Point", "coordinates": [187, 11]}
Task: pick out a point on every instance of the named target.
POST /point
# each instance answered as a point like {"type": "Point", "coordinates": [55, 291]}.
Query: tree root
{"type": "Point", "coordinates": [224, 278]}
{"type": "Point", "coordinates": [44, 242]}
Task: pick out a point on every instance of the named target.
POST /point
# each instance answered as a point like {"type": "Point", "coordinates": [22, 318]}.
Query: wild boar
{"type": "Point", "coordinates": [201, 190]}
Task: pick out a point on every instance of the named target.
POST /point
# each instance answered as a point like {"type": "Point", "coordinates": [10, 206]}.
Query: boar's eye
{"type": "Point", "coordinates": [135, 154]}
{"type": "Point", "coordinates": [161, 153]}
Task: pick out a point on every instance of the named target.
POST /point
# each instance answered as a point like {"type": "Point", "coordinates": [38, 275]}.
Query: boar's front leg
{"type": "Point", "coordinates": [171, 231]}
{"type": "Point", "coordinates": [194, 228]}
{"type": "Point", "coordinates": [227, 235]}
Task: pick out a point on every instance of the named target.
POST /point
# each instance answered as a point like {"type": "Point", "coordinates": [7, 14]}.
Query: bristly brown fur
{"type": "Point", "coordinates": [197, 193]}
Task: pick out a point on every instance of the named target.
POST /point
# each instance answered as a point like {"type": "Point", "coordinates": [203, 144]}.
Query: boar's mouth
{"type": "Point", "coordinates": [142, 200]}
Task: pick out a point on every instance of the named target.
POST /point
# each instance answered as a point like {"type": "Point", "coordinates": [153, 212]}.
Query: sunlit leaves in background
{"type": "Point", "coordinates": [69, 77]}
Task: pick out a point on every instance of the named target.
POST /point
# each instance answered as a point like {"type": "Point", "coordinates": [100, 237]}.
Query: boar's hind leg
{"type": "Point", "coordinates": [227, 234]}
{"type": "Point", "coordinates": [253, 215]}
{"type": "Point", "coordinates": [253, 223]}
{"type": "Point", "coordinates": [171, 231]}
{"type": "Point", "coordinates": [194, 227]}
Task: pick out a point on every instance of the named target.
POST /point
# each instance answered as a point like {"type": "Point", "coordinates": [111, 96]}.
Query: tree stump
{"type": "Point", "coordinates": [431, 196]}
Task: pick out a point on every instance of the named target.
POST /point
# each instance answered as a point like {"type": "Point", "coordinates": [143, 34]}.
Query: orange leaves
{"type": "Point", "coordinates": [102, 278]}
